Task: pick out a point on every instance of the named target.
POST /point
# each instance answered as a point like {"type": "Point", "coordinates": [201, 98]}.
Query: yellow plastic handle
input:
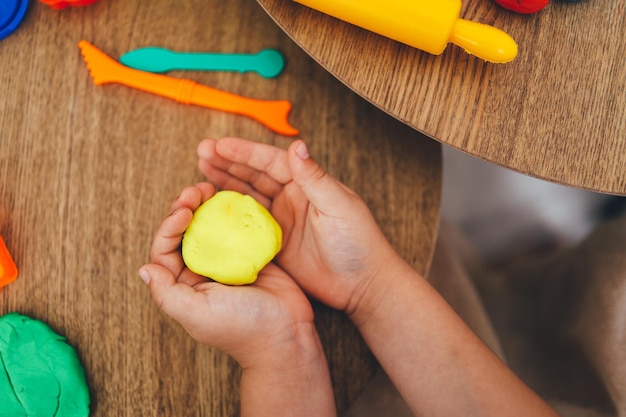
{"type": "Point", "coordinates": [484, 41]}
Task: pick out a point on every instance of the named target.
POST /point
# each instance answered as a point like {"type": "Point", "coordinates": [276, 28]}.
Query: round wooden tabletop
{"type": "Point", "coordinates": [557, 112]}
{"type": "Point", "coordinates": [88, 172]}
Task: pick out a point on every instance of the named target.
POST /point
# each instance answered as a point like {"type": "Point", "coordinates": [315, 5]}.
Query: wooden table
{"type": "Point", "coordinates": [557, 112]}
{"type": "Point", "coordinates": [87, 174]}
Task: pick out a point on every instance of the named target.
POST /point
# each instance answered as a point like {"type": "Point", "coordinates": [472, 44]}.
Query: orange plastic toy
{"type": "Point", "coordinates": [271, 113]}
{"type": "Point", "coordinates": [62, 4]}
{"type": "Point", "coordinates": [8, 270]}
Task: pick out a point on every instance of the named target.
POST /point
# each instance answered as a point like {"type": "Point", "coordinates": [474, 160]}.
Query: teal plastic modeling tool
{"type": "Point", "coordinates": [267, 63]}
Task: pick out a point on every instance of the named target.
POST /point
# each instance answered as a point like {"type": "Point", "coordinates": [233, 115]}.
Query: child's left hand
{"type": "Point", "coordinates": [247, 322]}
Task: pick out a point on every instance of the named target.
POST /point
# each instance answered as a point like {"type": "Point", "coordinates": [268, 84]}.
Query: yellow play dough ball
{"type": "Point", "coordinates": [231, 237]}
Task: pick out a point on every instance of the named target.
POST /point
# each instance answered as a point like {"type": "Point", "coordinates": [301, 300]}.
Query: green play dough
{"type": "Point", "coordinates": [40, 374]}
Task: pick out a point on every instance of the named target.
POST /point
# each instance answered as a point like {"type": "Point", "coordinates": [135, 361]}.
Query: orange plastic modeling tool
{"type": "Point", "coordinates": [271, 113]}
{"type": "Point", "coordinates": [8, 270]}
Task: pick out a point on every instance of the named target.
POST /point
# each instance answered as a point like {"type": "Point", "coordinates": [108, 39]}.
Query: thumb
{"type": "Point", "coordinates": [172, 297]}
{"type": "Point", "coordinates": [322, 190]}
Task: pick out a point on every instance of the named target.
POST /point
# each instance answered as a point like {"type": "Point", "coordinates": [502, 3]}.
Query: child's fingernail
{"type": "Point", "coordinates": [145, 275]}
{"type": "Point", "coordinates": [302, 151]}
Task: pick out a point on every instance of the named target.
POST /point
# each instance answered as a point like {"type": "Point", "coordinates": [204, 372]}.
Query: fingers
{"type": "Point", "coordinates": [227, 181]}
{"type": "Point", "coordinates": [165, 247]}
{"type": "Point", "coordinates": [245, 166]}
{"type": "Point", "coordinates": [170, 282]}
{"type": "Point", "coordinates": [258, 156]}
{"type": "Point", "coordinates": [173, 298]}
{"type": "Point", "coordinates": [191, 197]}
{"type": "Point", "coordinates": [322, 190]}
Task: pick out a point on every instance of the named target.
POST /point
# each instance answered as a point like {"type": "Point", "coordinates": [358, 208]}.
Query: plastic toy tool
{"type": "Point", "coordinates": [268, 63]}
{"type": "Point", "coordinates": [428, 25]}
{"type": "Point", "coordinates": [8, 270]}
{"type": "Point", "coordinates": [62, 4]}
{"type": "Point", "coordinates": [11, 15]}
{"type": "Point", "coordinates": [271, 113]}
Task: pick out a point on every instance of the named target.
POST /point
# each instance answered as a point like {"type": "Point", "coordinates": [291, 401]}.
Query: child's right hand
{"type": "Point", "coordinates": [332, 245]}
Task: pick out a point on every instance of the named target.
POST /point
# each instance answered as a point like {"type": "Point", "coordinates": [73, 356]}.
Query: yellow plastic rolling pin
{"type": "Point", "coordinates": [428, 25]}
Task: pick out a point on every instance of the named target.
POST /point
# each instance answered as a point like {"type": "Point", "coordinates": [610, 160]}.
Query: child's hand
{"type": "Point", "coordinates": [332, 245]}
{"type": "Point", "coordinates": [250, 323]}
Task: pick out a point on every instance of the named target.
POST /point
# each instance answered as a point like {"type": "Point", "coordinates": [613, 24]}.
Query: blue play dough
{"type": "Point", "coordinates": [40, 374]}
{"type": "Point", "coordinates": [11, 14]}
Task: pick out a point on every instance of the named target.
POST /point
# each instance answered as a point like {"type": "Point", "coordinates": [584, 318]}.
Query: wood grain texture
{"type": "Point", "coordinates": [87, 173]}
{"type": "Point", "coordinates": [557, 112]}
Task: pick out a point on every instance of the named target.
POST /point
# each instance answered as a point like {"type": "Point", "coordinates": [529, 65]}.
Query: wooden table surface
{"type": "Point", "coordinates": [557, 112]}
{"type": "Point", "coordinates": [88, 172]}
